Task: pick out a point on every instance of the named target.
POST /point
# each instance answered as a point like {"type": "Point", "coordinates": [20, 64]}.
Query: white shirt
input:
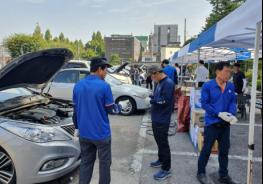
{"type": "Point", "coordinates": [202, 74]}
{"type": "Point", "coordinates": [178, 70]}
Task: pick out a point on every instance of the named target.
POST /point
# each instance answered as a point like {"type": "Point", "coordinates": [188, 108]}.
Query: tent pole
{"type": "Point", "coordinates": [199, 55]}
{"type": "Point", "coordinates": [251, 146]}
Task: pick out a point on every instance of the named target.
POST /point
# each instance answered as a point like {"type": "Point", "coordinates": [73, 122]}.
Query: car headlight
{"type": "Point", "coordinates": [35, 133]}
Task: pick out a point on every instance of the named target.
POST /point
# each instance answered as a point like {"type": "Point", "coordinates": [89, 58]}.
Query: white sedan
{"type": "Point", "coordinates": [63, 83]}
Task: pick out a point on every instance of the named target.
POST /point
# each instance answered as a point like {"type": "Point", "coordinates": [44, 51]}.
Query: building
{"type": "Point", "coordinates": [4, 56]}
{"type": "Point", "coordinates": [164, 36]}
{"type": "Point", "coordinates": [127, 47]}
{"type": "Point", "coordinates": [144, 42]}
{"type": "Point", "coordinates": [167, 52]}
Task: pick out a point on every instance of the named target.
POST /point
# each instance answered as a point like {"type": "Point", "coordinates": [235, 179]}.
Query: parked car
{"type": "Point", "coordinates": [77, 64]}
{"type": "Point", "coordinates": [63, 84]}
{"type": "Point", "coordinates": [36, 131]}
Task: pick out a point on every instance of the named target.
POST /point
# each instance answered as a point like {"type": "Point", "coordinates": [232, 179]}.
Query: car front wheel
{"type": "Point", "coordinates": [7, 169]}
{"type": "Point", "coordinates": [131, 108]}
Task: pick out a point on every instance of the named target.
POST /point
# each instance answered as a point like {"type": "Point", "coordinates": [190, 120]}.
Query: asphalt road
{"type": "Point", "coordinates": [133, 150]}
{"type": "Point", "coordinates": [125, 133]}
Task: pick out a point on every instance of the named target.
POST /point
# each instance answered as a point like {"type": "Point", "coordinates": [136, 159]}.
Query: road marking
{"type": "Point", "coordinates": [247, 124]}
{"type": "Point", "coordinates": [193, 154]}
{"type": "Point", "coordinates": [136, 165]}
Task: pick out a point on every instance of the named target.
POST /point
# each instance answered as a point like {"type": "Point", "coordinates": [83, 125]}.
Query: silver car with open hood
{"type": "Point", "coordinates": [36, 131]}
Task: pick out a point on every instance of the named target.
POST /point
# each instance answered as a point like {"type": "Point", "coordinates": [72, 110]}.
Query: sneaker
{"type": "Point", "coordinates": [156, 164]}
{"type": "Point", "coordinates": [227, 180]}
{"type": "Point", "coordinates": [162, 175]}
{"type": "Point", "coordinates": [202, 179]}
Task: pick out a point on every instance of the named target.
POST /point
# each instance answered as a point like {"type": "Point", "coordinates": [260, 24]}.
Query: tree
{"type": "Point", "coordinates": [19, 44]}
{"type": "Point", "coordinates": [61, 37]}
{"type": "Point", "coordinates": [48, 35]}
{"type": "Point", "coordinates": [37, 32]}
{"type": "Point", "coordinates": [88, 54]}
{"type": "Point", "coordinates": [97, 44]}
{"type": "Point", "coordinates": [115, 59]}
{"type": "Point", "coordinates": [221, 8]}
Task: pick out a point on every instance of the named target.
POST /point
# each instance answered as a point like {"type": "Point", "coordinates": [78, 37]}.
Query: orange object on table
{"type": "Point", "coordinates": [183, 114]}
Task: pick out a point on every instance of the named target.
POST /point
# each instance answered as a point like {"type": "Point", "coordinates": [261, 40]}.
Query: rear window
{"type": "Point", "coordinates": [75, 65]}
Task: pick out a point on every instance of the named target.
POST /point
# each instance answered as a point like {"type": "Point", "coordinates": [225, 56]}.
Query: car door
{"type": "Point", "coordinates": [63, 84]}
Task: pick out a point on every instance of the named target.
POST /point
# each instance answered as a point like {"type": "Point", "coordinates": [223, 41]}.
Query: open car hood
{"type": "Point", "coordinates": [34, 70]}
{"type": "Point", "coordinates": [120, 68]}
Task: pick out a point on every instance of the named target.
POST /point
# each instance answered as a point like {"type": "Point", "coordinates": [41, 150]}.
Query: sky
{"type": "Point", "coordinates": [77, 19]}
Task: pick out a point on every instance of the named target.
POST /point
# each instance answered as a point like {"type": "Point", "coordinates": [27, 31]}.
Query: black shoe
{"type": "Point", "coordinates": [202, 179]}
{"type": "Point", "coordinates": [227, 180]}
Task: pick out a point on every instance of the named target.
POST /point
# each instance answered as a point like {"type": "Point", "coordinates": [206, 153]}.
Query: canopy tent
{"type": "Point", "coordinates": [240, 29]}
{"type": "Point", "coordinates": [208, 54]}
{"type": "Point", "coordinates": [237, 30]}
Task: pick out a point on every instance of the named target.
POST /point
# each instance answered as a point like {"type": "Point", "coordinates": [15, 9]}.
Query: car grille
{"type": "Point", "coordinates": [69, 128]}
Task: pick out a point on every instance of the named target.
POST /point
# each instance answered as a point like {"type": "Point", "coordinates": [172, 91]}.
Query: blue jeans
{"type": "Point", "coordinates": [221, 133]}
{"type": "Point", "coordinates": [89, 151]}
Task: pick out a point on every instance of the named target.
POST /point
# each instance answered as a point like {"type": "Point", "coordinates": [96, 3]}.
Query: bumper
{"type": "Point", "coordinates": [143, 104]}
{"type": "Point", "coordinates": [29, 157]}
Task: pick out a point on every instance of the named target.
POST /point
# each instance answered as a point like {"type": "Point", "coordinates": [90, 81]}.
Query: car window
{"type": "Point", "coordinates": [112, 80]}
{"type": "Point", "coordinates": [83, 74]}
{"type": "Point", "coordinates": [67, 77]}
{"type": "Point", "coordinates": [13, 93]}
{"type": "Point", "coordinates": [75, 65]}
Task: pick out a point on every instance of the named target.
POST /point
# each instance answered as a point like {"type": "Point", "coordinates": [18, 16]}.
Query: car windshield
{"type": "Point", "coordinates": [112, 80]}
{"type": "Point", "coordinates": [14, 93]}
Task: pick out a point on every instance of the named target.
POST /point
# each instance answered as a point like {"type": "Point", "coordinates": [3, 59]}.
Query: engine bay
{"type": "Point", "coordinates": [49, 114]}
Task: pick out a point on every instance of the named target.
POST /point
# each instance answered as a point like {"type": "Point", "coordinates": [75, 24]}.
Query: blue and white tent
{"type": "Point", "coordinates": [240, 29]}
{"type": "Point", "coordinates": [237, 30]}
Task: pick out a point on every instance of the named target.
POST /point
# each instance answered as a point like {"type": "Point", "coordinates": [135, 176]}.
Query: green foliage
{"type": "Point", "coordinates": [97, 44]}
{"type": "Point", "coordinates": [249, 73]}
{"type": "Point", "coordinates": [48, 35]}
{"type": "Point", "coordinates": [37, 33]}
{"type": "Point", "coordinates": [115, 59]}
{"type": "Point", "coordinates": [19, 44]}
{"type": "Point", "coordinates": [61, 37]}
{"type": "Point", "coordinates": [221, 8]}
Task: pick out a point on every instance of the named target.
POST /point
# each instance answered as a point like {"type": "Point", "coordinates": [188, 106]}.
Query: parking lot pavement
{"type": "Point", "coordinates": [185, 157]}
{"type": "Point", "coordinates": [134, 149]}
{"type": "Point", "coordinates": [125, 133]}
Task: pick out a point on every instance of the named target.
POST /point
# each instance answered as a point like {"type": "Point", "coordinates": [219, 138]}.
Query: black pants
{"type": "Point", "coordinates": [222, 135]}
{"type": "Point", "coordinates": [149, 84]}
{"type": "Point", "coordinates": [89, 151]}
{"type": "Point", "coordinates": [160, 132]}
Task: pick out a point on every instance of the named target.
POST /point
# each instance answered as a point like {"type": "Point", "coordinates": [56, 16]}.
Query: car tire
{"type": "Point", "coordinates": [132, 106]}
{"type": "Point", "coordinates": [7, 167]}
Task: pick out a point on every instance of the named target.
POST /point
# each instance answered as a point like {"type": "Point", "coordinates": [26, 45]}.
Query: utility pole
{"type": "Point", "coordinates": [185, 30]}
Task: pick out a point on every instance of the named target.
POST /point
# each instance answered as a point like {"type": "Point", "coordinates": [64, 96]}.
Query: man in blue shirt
{"type": "Point", "coordinates": [170, 71]}
{"type": "Point", "coordinates": [93, 100]}
{"type": "Point", "coordinates": [162, 107]}
{"type": "Point", "coordinates": [219, 101]}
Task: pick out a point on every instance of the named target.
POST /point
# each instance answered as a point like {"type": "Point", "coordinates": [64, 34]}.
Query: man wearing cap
{"type": "Point", "coordinates": [162, 107]}
{"type": "Point", "coordinates": [93, 100]}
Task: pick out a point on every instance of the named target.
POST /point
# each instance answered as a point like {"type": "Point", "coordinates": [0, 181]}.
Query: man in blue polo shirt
{"type": "Point", "coordinates": [93, 100]}
{"type": "Point", "coordinates": [219, 101]}
{"type": "Point", "coordinates": [170, 71]}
